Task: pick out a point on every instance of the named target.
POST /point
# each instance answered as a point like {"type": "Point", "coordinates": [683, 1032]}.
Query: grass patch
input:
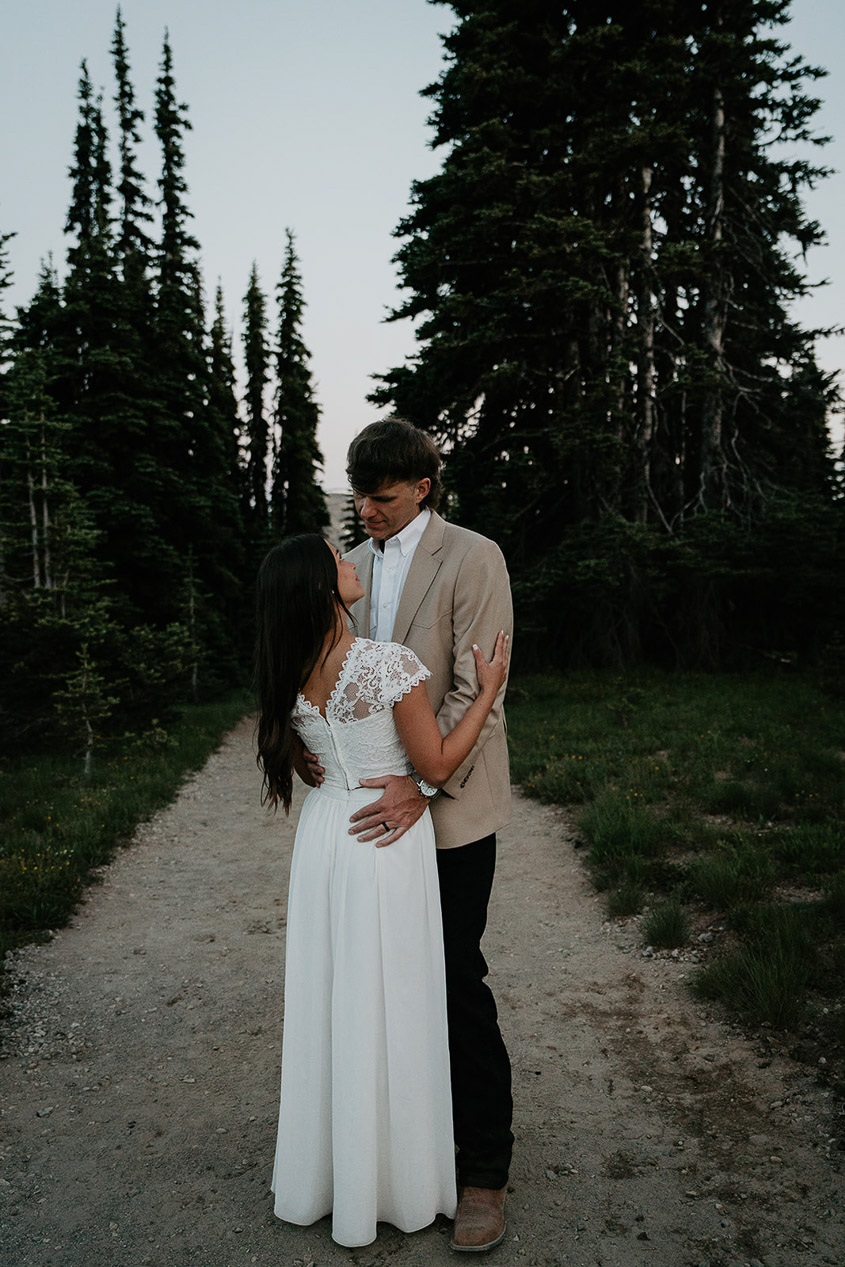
{"type": "Point", "coordinates": [731, 875]}
{"type": "Point", "coordinates": [810, 849]}
{"type": "Point", "coordinates": [767, 977]}
{"type": "Point", "coordinates": [625, 899]}
{"type": "Point", "coordinates": [618, 830]}
{"type": "Point", "coordinates": [667, 925]}
{"type": "Point", "coordinates": [715, 788]}
{"type": "Point", "coordinates": [57, 825]}
{"type": "Point", "coordinates": [763, 985]}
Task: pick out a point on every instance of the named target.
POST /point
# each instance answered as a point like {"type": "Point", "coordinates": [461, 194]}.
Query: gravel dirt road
{"type": "Point", "coordinates": [140, 1070]}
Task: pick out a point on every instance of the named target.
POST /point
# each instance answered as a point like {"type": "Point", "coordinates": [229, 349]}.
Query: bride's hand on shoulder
{"type": "Point", "coordinates": [492, 673]}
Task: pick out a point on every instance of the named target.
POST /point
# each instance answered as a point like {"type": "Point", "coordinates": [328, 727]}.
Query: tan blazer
{"type": "Point", "coordinates": [456, 593]}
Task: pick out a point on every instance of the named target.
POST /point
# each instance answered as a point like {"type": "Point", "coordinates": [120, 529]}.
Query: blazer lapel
{"type": "Point", "coordinates": [424, 567]}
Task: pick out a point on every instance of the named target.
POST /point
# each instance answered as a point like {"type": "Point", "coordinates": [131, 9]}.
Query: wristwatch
{"type": "Point", "coordinates": [426, 789]}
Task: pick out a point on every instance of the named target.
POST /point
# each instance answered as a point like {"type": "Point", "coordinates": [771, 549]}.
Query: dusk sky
{"type": "Point", "coordinates": [305, 114]}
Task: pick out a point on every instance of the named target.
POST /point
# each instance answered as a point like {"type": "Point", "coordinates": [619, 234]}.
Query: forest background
{"type": "Point", "coordinates": [602, 273]}
{"type": "Point", "coordinates": [603, 289]}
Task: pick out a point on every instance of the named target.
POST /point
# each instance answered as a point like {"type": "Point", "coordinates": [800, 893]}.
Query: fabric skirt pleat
{"type": "Point", "coordinates": [365, 1125]}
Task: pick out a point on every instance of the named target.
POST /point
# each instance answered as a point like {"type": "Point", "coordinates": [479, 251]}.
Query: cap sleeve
{"type": "Point", "coordinates": [402, 670]}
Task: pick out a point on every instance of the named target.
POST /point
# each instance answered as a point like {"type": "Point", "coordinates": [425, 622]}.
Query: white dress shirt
{"type": "Point", "coordinates": [390, 568]}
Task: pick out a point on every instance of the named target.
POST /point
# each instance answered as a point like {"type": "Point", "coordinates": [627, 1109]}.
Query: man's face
{"type": "Point", "coordinates": [390, 508]}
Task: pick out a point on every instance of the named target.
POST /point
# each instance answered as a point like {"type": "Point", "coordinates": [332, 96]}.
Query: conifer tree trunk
{"type": "Point", "coordinates": [645, 368]}
{"type": "Point", "coordinates": [712, 483]}
{"type": "Point", "coordinates": [45, 514]}
{"type": "Point", "coordinates": [33, 520]}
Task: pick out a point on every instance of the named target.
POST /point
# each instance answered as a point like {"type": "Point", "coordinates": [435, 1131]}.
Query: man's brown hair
{"type": "Point", "coordinates": [391, 451]}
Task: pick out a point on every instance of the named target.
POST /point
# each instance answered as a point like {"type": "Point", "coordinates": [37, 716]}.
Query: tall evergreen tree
{"type": "Point", "coordinates": [221, 556]}
{"type": "Point", "coordinates": [257, 429]}
{"type": "Point", "coordinates": [202, 521]}
{"type": "Point", "coordinates": [52, 589]}
{"type": "Point", "coordinates": [178, 343]}
{"type": "Point", "coordinates": [603, 271]}
{"type": "Point", "coordinates": [6, 325]}
{"type": "Point", "coordinates": [119, 459]}
{"type": "Point", "coordinates": [133, 241]}
{"type": "Point", "coordinates": [591, 180]}
{"type": "Point", "coordinates": [86, 364]}
{"type": "Point", "coordinates": [133, 245]}
{"type": "Point", "coordinates": [297, 501]}
{"type": "Point", "coordinates": [103, 381]}
{"type": "Point", "coordinates": [223, 396]}
{"type": "Point", "coordinates": [6, 276]}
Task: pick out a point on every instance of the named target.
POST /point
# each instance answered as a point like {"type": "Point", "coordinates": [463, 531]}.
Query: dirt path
{"type": "Point", "coordinates": [140, 1074]}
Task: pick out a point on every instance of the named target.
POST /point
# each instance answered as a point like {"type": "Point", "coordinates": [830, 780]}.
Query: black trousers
{"type": "Point", "coordinates": [481, 1073]}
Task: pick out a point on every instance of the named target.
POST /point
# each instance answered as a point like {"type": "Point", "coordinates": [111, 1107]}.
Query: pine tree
{"type": "Point", "coordinates": [602, 273]}
{"type": "Point", "coordinates": [353, 529]}
{"type": "Point", "coordinates": [52, 584]}
{"type": "Point", "coordinates": [85, 362]}
{"type": "Point", "coordinates": [102, 381]}
{"type": "Point", "coordinates": [6, 276]}
{"type": "Point", "coordinates": [133, 254]}
{"type": "Point", "coordinates": [133, 242]}
{"type": "Point", "coordinates": [223, 397]}
{"type": "Point", "coordinates": [83, 704]}
{"type": "Point", "coordinates": [595, 213]}
{"type": "Point", "coordinates": [202, 521]}
{"type": "Point", "coordinates": [180, 360]}
{"type": "Point", "coordinates": [297, 501]}
{"type": "Point", "coordinates": [257, 428]}
{"type": "Point", "coordinates": [6, 325]}
{"type": "Point", "coordinates": [119, 460]}
{"type": "Point", "coordinates": [221, 561]}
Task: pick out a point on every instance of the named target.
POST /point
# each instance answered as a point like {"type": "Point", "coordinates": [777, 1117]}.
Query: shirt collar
{"type": "Point", "coordinates": [409, 538]}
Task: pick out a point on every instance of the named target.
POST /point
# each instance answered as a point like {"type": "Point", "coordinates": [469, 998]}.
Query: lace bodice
{"type": "Point", "coordinates": [357, 738]}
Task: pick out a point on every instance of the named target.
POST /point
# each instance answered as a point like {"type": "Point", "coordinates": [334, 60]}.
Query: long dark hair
{"type": "Point", "coordinates": [297, 607]}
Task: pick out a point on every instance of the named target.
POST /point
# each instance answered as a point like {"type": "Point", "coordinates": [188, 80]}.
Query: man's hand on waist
{"type": "Point", "coordinates": [385, 820]}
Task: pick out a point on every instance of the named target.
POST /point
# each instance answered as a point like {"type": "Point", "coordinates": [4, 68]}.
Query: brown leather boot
{"type": "Point", "coordinates": [480, 1220]}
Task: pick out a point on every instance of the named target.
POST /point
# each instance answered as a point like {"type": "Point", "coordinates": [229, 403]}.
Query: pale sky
{"type": "Point", "coordinates": [305, 114]}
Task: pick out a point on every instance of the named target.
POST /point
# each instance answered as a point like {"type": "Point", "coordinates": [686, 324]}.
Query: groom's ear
{"type": "Point", "coordinates": [422, 490]}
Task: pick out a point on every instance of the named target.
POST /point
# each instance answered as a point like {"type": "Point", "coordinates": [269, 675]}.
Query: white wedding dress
{"type": "Point", "coordinates": [365, 1125]}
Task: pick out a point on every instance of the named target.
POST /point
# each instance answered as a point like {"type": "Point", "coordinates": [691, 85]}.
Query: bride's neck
{"type": "Point", "coordinates": [337, 640]}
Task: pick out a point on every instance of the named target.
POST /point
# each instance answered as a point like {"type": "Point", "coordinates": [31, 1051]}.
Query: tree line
{"type": "Point", "coordinates": [137, 491]}
{"type": "Point", "coordinates": [602, 275]}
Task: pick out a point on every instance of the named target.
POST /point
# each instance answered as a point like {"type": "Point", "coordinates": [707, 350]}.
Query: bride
{"type": "Point", "coordinates": [365, 1124]}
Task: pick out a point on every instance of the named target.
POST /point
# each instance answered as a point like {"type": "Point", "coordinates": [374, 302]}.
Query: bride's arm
{"type": "Point", "coordinates": [307, 771]}
{"type": "Point", "coordinates": [436, 756]}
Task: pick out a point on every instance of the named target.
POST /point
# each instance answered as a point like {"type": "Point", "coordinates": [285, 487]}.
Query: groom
{"type": "Point", "coordinates": [439, 588]}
